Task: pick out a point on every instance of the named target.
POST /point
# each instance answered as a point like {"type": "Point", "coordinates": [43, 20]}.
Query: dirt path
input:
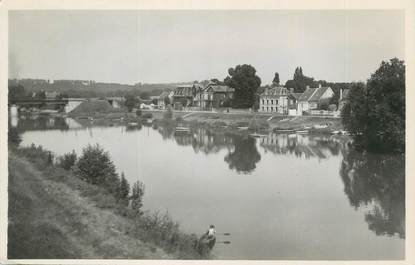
{"type": "Point", "coordinates": [48, 219]}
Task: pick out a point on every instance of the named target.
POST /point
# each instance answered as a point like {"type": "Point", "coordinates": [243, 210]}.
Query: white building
{"type": "Point", "coordinates": [274, 99]}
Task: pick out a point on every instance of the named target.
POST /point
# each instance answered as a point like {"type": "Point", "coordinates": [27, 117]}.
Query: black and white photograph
{"type": "Point", "coordinates": [206, 134]}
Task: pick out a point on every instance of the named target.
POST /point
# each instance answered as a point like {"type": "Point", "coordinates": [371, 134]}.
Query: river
{"type": "Point", "coordinates": [283, 196]}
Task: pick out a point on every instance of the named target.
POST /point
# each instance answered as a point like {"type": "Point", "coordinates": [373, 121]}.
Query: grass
{"type": "Point", "coordinates": [53, 214]}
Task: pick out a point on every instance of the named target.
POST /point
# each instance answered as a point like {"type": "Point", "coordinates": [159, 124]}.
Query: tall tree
{"type": "Point", "coordinates": [299, 81]}
{"type": "Point", "coordinates": [124, 190]}
{"type": "Point", "coordinates": [137, 197]}
{"type": "Point", "coordinates": [130, 102]}
{"type": "Point", "coordinates": [276, 80]}
{"type": "Point", "coordinates": [375, 115]}
{"type": "Point", "coordinates": [244, 80]}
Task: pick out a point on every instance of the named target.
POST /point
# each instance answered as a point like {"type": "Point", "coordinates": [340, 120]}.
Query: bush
{"type": "Point", "coordinates": [67, 161]}
{"type": "Point", "coordinates": [95, 167]}
{"type": "Point", "coordinates": [137, 198]}
{"type": "Point", "coordinates": [14, 137]}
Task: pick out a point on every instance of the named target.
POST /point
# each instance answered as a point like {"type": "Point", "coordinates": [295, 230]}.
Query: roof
{"type": "Point", "coordinates": [275, 91]}
{"type": "Point", "coordinates": [164, 94]}
{"type": "Point", "coordinates": [183, 91]}
{"type": "Point", "coordinates": [220, 88]}
{"type": "Point", "coordinates": [295, 95]}
{"type": "Point", "coordinates": [313, 93]}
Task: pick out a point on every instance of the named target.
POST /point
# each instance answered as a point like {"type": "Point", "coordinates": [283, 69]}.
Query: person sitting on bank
{"type": "Point", "coordinates": [211, 231]}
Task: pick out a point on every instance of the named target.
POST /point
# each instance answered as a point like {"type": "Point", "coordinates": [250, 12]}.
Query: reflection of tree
{"type": "Point", "coordinates": [377, 181]}
{"type": "Point", "coordinates": [301, 145]}
{"type": "Point", "coordinates": [245, 155]}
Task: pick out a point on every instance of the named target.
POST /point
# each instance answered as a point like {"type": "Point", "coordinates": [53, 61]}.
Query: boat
{"type": "Point", "coordinates": [301, 131]}
{"type": "Point", "coordinates": [257, 135]}
{"type": "Point", "coordinates": [283, 130]}
{"type": "Point", "coordinates": [182, 129]}
{"type": "Point", "coordinates": [205, 244]}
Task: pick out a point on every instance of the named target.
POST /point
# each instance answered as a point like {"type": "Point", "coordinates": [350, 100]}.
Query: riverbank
{"type": "Point", "coordinates": [53, 214]}
{"type": "Point", "coordinates": [254, 122]}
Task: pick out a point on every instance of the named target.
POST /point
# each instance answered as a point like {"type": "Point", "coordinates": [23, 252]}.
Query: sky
{"type": "Point", "coordinates": [160, 46]}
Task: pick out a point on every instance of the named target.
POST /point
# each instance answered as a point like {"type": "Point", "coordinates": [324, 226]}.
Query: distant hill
{"type": "Point", "coordinates": [90, 88]}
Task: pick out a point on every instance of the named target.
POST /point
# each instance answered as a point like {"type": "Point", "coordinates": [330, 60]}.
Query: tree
{"type": "Point", "coordinates": [16, 92]}
{"type": "Point", "coordinates": [375, 114]}
{"type": "Point", "coordinates": [14, 137]}
{"type": "Point", "coordinates": [276, 80]}
{"type": "Point", "coordinates": [145, 95]}
{"type": "Point", "coordinates": [386, 101]}
{"type": "Point", "coordinates": [68, 160]}
{"type": "Point", "coordinates": [244, 80]}
{"type": "Point", "coordinates": [95, 167]}
{"type": "Point", "coordinates": [354, 113]}
{"type": "Point", "coordinates": [137, 197]}
{"type": "Point", "coordinates": [41, 95]}
{"type": "Point", "coordinates": [299, 81]}
{"type": "Point", "coordinates": [124, 190]}
{"type": "Point", "coordinates": [130, 102]}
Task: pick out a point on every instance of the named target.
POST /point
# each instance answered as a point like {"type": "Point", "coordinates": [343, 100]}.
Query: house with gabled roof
{"type": "Point", "coordinates": [213, 96]}
{"type": "Point", "coordinates": [183, 96]}
{"type": "Point", "coordinates": [312, 96]}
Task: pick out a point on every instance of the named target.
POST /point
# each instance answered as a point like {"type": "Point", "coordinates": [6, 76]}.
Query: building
{"type": "Point", "coordinates": [293, 103]}
{"type": "Point", "coordinates": [343, 97]}
{"type": "Point", "coordinates": [183, 96]}
{"type": "Point", "coordinates": [274, 99]}
{"type": "Point", "coordinates": [213, 96]}
{"type": "Point", "coordinates": [312, 97]}
{"type": "Point", "coordinates": [165, 97]}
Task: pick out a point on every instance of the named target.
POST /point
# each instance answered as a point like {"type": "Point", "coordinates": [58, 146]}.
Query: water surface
{"type": "Point", "coordinates": [281, 196]}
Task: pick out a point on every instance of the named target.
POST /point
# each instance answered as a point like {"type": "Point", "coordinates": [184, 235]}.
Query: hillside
{"type": "Point", "coordinates": [49, 219]}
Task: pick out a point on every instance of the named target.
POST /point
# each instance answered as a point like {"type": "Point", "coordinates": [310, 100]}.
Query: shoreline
{"type": "Point", "coordinates": [257, 123]}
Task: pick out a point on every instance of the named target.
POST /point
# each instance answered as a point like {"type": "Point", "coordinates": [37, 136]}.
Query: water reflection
{"type": "Point", "coordinates": [302, 145]}
{"type": "Point", "coordinates": [378, 183]}
{"type": "Point", "coordinates": [42, 122]}
{"type": "Point", "coordinates": [244, 156]}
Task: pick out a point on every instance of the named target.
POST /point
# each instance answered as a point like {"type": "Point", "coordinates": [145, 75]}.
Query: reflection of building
{"type": "Point", "coordinates": [300, 145]}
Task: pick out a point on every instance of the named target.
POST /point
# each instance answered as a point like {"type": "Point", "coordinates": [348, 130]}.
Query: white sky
{"type": "Point", "coordinates": [172, 46]}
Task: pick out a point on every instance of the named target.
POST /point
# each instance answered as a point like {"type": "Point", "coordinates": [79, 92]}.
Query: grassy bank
{"type": "Point", "coordinates": [54, 214]}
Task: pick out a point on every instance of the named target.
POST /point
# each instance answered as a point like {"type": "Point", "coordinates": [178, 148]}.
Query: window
{"type": "Point", "coordinates": [272, 101]}
{"type": "Point", "coordinates": [267, 101]}
{"type": "Point", "coordinates": [272, 109]}
{"type": "Point", "coordinates": [276, 102]}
